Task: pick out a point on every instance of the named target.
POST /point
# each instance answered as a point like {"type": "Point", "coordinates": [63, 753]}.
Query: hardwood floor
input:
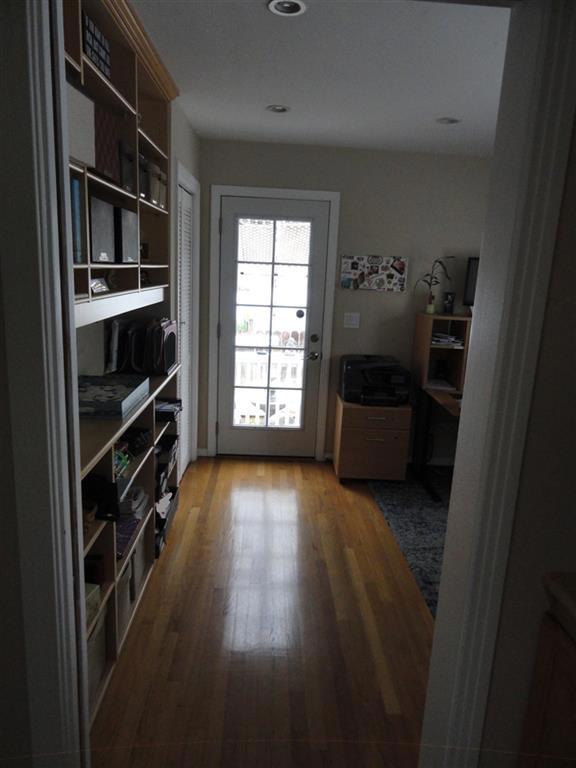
{"type": "Point", "coordinates": [281, 628]}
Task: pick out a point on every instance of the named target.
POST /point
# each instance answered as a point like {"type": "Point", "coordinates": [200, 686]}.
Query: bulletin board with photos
{"type": "Point", "coordinates": [374, 273]}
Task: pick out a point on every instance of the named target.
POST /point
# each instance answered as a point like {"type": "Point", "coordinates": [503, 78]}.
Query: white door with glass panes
{"type": "Point", "coordinates": [272, 282]}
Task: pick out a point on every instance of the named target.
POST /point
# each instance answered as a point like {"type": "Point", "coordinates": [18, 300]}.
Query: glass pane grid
{"type": "Point", "coordinates": [272, 274]}
{"type": "Point", "coordinates": [255, 240]}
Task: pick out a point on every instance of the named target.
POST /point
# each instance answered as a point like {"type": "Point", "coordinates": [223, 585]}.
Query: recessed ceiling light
{"type": "Point", "coordinates": [278, 109]}
{"type": "Point", "coordinates": [287, 7]}
{"type": "Point", "coordinates": [448, 120]}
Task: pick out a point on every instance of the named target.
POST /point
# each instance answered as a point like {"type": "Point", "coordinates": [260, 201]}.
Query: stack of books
{"type": "Point", "coordinates": [446, 340]}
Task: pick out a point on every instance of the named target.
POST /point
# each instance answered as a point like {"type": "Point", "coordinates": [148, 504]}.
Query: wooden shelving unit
{"type": "Point", "coordinates": [438, 365]}
{"type": "Point", "coordinates": [131, 108]}
{"type": "Point", "coordinates": [134, 104]}
{"type": "Point", "coordinates": [98, 437]}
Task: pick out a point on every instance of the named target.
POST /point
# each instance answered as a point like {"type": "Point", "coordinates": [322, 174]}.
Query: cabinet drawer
{"type": "Point", "coordinates": [373, 454]}
{"type": "Point", "coordinates": [366, 417]}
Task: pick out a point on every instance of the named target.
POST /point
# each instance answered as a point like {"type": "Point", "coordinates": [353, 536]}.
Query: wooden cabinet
{"type": "Point", "coordinates": [371, 442]}
{"type": "Point", "coordinates": [440, 351]}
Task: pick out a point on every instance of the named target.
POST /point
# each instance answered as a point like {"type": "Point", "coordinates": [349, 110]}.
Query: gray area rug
{"type": "Point", "coordinates": [419, 527]}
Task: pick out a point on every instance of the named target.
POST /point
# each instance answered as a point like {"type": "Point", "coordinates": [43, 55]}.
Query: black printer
{"type": "Point", "coordinates": [373, 380]}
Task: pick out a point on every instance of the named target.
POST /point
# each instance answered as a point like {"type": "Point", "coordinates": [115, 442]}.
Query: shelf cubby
{"type": "Point", "coordinates": [110, 191]}
{"type": "Point", "coordinates": [150, 149]}
{"type": "Point", "coordinates": [122, 80]}
{"type": "Point", "coordinates": [135, 574]}
{"type": "Point", "coordinates": [123, 561]}
{"type": "Point", "coordinates": [154, 277]}
{"type": "Point", "coordinates": [154, 237]}
{"type": "Point", "coordinates": [102, 654]}
{"type": "Point", "coordinates": [72, 33]}
{"type": "Point", "coordinates": [81, 288]}
{"type": "Point", "coordinates": [119, 280]}
{"type": "Point", "coordinates": [440, 366]}
{"type": "Point", "coordinates": [153, 112]}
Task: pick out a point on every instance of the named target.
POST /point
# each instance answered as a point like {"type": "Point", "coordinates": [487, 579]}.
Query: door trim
{"type": "Point", "coordinates": [183, 178]}
{"type": "Point", "coordinates": [45, 690]}
{"type": "Point", "coordinates": [533, 138]}
{"type": "Point", "coordinates": [333, 198]}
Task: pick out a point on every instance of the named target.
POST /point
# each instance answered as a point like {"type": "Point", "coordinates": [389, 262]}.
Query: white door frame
{"type": "Point", "coordinates": [38, 473]}
{"type": "Point", "coordinates": [533, 139]}
{"type": "Point", "coordinates": [333, 198]}
{"type": "Point", "coordinates": [181, 177]}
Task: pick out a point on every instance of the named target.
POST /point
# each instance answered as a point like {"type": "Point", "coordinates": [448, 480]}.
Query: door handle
{"type": "Point", "coordinates": [313, 355]}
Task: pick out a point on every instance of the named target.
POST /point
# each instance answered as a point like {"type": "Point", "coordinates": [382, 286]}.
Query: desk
{"type": "Point", "coordinates": [450, 402]}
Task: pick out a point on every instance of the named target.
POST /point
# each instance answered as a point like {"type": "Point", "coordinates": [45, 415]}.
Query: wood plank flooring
{"type": "Point", "coordinates": [281, 628]}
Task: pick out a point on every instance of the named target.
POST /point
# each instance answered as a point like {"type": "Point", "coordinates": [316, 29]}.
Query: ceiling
{"type": "Point", "coordinates": [357, 73]}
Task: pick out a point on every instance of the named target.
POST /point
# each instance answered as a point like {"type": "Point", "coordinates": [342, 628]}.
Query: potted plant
{"type": "Point", "coordinates": [431, 279]}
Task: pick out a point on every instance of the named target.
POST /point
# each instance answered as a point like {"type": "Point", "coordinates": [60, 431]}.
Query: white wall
{"type": "Point", "coordinates": [184, 141]}
{"type": "Point", "coordinates": [418, 206]}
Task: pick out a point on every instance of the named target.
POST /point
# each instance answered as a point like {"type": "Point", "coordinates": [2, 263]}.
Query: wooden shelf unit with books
{"type": "Point", "coordinates": [131, 108]}
{"type": "Point", "coordinates": [440, 351]}
{"type": "Point", "coordinates": [132, 114]}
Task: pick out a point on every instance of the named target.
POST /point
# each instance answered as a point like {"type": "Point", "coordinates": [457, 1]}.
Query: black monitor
{"type": "Point", "coordinates": [470, 283]}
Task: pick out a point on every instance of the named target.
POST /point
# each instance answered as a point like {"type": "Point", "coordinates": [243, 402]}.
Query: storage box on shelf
{"type": "Point", "coordinates": [440, 351]}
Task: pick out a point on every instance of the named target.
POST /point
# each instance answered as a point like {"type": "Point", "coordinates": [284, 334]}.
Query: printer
{"type": "Point", "coordinates": [373, 380]}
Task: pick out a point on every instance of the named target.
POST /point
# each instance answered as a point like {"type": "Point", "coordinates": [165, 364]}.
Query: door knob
{"type": "Point", "coordinates": [313, 355]}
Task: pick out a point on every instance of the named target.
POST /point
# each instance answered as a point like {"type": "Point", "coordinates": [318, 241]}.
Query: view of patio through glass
{"type": "Point", "coordinates": [271, 322]}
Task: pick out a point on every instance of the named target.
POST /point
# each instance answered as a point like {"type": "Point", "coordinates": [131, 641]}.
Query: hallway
{"type": "Point", "coordinates": [281, 628]}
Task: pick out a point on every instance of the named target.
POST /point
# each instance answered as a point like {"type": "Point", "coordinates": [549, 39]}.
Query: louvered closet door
{"type": "Point", "coordinates": [185, 218]}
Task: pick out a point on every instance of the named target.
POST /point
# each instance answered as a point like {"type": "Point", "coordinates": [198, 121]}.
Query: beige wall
{"type": "Point", "coordinates": [184, 142]}
{"type": "Point", "coordinates": [417, 206]}
{"type": "Point", "coordinates": [544, 534]}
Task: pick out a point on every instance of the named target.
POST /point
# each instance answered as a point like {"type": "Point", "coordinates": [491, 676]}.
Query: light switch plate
{"type": "Point", "coordinates": [351, 319]}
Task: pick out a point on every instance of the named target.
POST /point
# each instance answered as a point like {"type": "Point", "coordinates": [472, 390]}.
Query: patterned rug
{"type": "Point", "coordinates": [419, 527]}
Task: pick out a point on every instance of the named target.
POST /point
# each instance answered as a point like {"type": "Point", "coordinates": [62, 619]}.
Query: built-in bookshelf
{"type": "Point", "coordinates": [130, 169]}
{"type": "Point", "coordinates": [119, 97]}
{"type": "Point", "coordinates": [122, 573]}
